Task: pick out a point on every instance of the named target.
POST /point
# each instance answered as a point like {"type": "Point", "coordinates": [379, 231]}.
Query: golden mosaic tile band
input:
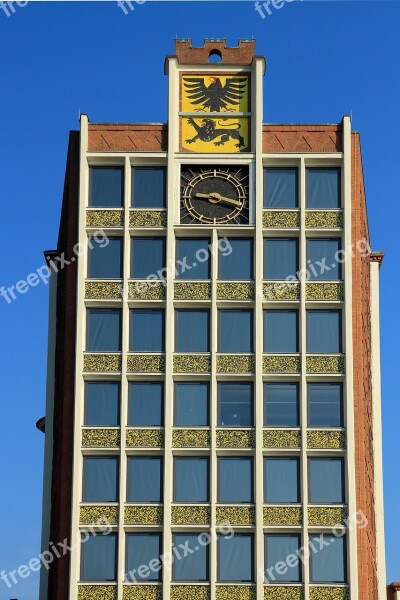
{"type": "Point", "coordinates": [330, 440]}
{"type": "Point", "coordinates": [191, 438]}
{"type": "Point", "coordinates": [192, 363]}
{"type": "Point", "coordinates": [236, 592]}
{"type": "Point", "coordinates": [231, 363]}
{"type": "Point", "coordinates": [279, 290]}
{"type": "Point", "coordinates": [101, 438]}
{"type": "Point", "coordinates": [329, 593]}
{"type": "Point", "coordinates": [104, 218]}
{"type": "Point", "coordinates": [278, 438]}
{"type": "Point", "coordinates": [324, 219]}
{"type": "Point", "coordinates": [280, 592]}
{"type": "Point", "coordinates": [90, 515]}
{"type": "Point", "coordinates": [279, 219]}
{"type": "Point", "coordinates": [145, 438]}
{"type": "Point", "coordinates": [190, 515]}
{"type": "Point", "coordinates": [325, 364]}
{"type": "Point", "coordinates": [97, 592]}
{"type": "Point", "coordinates": [236, 515]}
{"type": "Point", "coordinates": [102, 363]}
{"type": "Point", "coordinates": [192, 290]}
{"type": "Point", "coordinates": [103, 290]}
{"type": "Point", "coordinates": [148, 218]}
{"type": "Point", "coordinates": [146, 290]}
{"type": "Point", "coordinates": [190, 592]}
{"type": "Point", "coordinates": [144, 515]}
{"type": "Point", "coordinates": [142, 592]}
{"type": "Point", "coordinates": [146, 363]}
{"type": "Point", "coordinates": [283, 515]}
{"type": "Point", "coordinates": [235, 438]}
{"type": "Point", "coordinates": [333, 292]}
{"type": "Point", "coordinates": [327, 515]}
{"type": "Point", "coordinates": [235, 291]}
{"type": "Point", "coordinates": [281, 364]}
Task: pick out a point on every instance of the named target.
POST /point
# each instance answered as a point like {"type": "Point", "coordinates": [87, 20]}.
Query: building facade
{"type": "Point", "coordinates": [213, 424]}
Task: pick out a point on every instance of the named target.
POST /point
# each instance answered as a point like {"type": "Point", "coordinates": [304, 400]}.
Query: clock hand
{"type": "Point", "coordinates": [214, 197]}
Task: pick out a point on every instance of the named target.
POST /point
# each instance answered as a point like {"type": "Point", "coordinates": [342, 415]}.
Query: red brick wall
{"type": "Point", "coordinates": [144, 137]}
{"type": "Point", "coordinates": [302, 138]}
{"type": "Point", "coordinates": [242, 55]}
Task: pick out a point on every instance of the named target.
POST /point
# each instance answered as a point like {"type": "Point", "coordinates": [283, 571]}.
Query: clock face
{"type": "Point", "coordinates": [215, 194]}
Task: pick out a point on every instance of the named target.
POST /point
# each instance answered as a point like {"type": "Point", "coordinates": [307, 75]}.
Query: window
{"type": "Point", "coordinates": [281, 188]}
{"type": "Point", "coordinates": [148, 187]}
{"type": "Point", "coordinates": [103, 330]}
{"type": "Point", "coordinates": [323, 188]}
{"type": "Point", "coordinates": [322, 259]}
{"type": "Point", "coordinates": [235, 404]}
{"type": "Point", "coordinates": [105, 262]}
{"type": "Point", "coordinates": [147, 257]}
{"type": "Point", "coordinates": [145, 479]}
{"type": "Point", "coordinates": [280, 258]}
{"type": "Point", "coordinates": [328, 565]}
{"type": "Point", "coordinates": [281, 405]}
{"type": "Point", "coordinates": [100, 479]}
{"type": "Point", "coordinates": [143, 551]}
{"type": "Point", "coordinates": [238, 263]}
{"type": "Point", "coordinates": [235, 480]}
{"type": "Point", "coordinates": [102, 400]}
{"type": "Point", "coordinates": [192, 566]}
{"type": "Point", "coordinates": [281, 480]}
{"type": "Point", "coordinates": [324, 331]}
{"type": "Point", "coordinates": [106, 187]}
{"type": "Point", "coordinates": [235, 333]}
{"type": "Point", "coordinates": [147, 330]}
{"type": "Point", "coordinates": [99, 557]}
{"type": "Point", "coordinates": [325, 405]}
{"type": "Point", "coordinates": [193, 258]}
{"type": "Point", "coordinates": [236, 557]}
{"type": "Point", "coordinates": [326, 480]}
{"type": "Point", "coordinates": [191, 404]}
{"type": "Point", "coordinates": [146, 404]}
{"type": "Point", "coordinates": [281, 331]}
{"type": "Point", "coordinates": [192, 331]}
{"type": "Point", "coordinates": [191, 479]}
{"type": "Point", "coordinates": [282, 562]}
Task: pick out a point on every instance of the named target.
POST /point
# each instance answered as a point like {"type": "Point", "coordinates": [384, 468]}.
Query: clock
{"type": "Point", "coordinates": [214, 195]}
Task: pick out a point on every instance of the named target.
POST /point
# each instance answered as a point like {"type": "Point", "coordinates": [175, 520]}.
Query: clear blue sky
{"type": "Point", "coordinates": [325, 59]}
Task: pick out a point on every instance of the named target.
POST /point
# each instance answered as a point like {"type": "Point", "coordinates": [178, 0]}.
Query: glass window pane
{"type": "Point", "coordinates": [281, 480]}
{"type": "Point", "coordinates": [102, 400]}
{"type": "Point", "coordinates": [100, 479]}
{"type": "Point", "coordinates": [192, 331]}
{"type": "Point", "coordinates": [99, 558]}
{"type": "Point", "coordinates": [281, 405]}
{"type": "Point", "coordinates": [324, 331]}
{"type": "Point", "coordinates": [328, 565]}
{"type": "Point", "coordinates": [326, 481]}
{"type": "Point", "coordinates": [235, 558]}
{"type": "Point", "coordinates": [235, 480]}
{"type": "Point", "coordinates": [147, 330]}
{"type": "Point", "coordinates": [145, 479]}
{"type": "Point", "coordinates": [280, 188]}
{"type": "Point", "coordinates": [325, 405]}
{"type": "Point", "coordinates": [147, 257]}
{"type": "Point", "coordinates": [105, 262]}
{"type": "Point", "coordinates": [106, 187]}
{"type": "Point", "coordinates": [280, 258]}
{"type": "Point", "coordinates": [281, 549]}
{"type": "Point", "coordinates": [193, 258]}
{"type": "Point", "coordinates": [235, 404]}
{"type": "Point", "coordinates": [146, 404]}
{"type": "Point", "coordinates": [143, 551]}
{"type": "Point", "coordinates": [237, 262]}
{"type": "Point", "coordinates": [191, 404]}
{"type": "Point", "coordinates": [148, 187]}
{"type": "Point", "coordinates": [322, 259]}
{"type": "Point", "coordinates": [191, 479]}
{"type": "Point", "coordinates": [192, 566]}
{"type": "Point", "coordinates": [235, 332]}
{"type": "Point", "coordinates": [103, 330]}
{"type": "Point", "coordinates": [281, 331]}
{"type": "Point", "coordinates": [323, 188]}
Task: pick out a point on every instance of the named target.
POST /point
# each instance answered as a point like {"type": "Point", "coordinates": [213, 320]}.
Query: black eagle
{"type": "Point", "coordinates": [215, 97]}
